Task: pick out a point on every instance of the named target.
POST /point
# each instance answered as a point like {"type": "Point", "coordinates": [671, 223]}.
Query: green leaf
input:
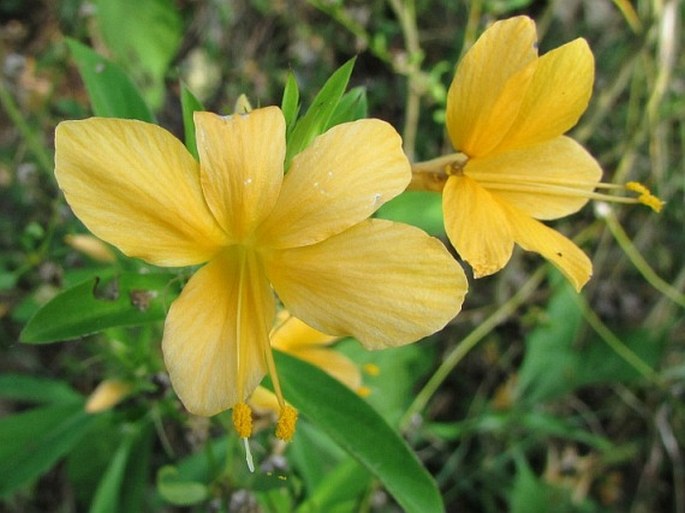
{"type": "Point", "coordinates": [551, 363]}
{"type": "Point", "coordinates": [601, 364]}
{"type": "Point", "coordinates": [33, 389]}
{"type": "Point", "coordinates": [175, 490]}
{"type": "Point", "coordinates": [362, 432]}
{"type": "Point", "coordinates": [535, 423]}
{"type": "Point", "coordinates": [110, 491]}
{"type": "Point", "coordinates": [135, 484]}
{"type": "Point", "coordinates": [31, 442]}
{"type": "Point", "coordinates": [557, 362]}
{"type": "Point", "coordinates": [189, 104]}
{"type": "Point", "coordinates": [401, 369]}
{"type": "Point", "coordinates": [111, 92]}
{"type": "Point", "coordinates": [418, 208]}
{"type": "Point", "coordinates": [290, 104]}
{"type": "Point", "coordinates": [313, 454]}
{"type": "Point", "coordinates": [315, 120]}
{"type": "Point", "coordinates": [342, 486]}
{"type": "Point", "coordinates": [127, 299]}
{"type": "Point", "coordinates": [143, 37]}
{"type": "Point", "coordinates": [352, 106]}
{"type": "Point", "coordinates": [529, 494]}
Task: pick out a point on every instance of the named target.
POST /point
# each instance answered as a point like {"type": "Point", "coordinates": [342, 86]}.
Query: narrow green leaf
{"type": "Point", "coordinates": [127, 299]}
{"type": "Point", "coordinates": [290, 104]}
{"type": "Point", "coordinates": [529, 493]}
{"type": "Point", "coordinates": [111, 92]}
{"type": "Point", "coordinates": [352, 106]}
{"type": "Point", "coordinates": [143, 37]}
{"type": "Point", "coordinates": [33, 441]}
{"type": "Point", "coordinates": [107, 496]}
{"type": "Point", "coordinates": [345, 484]}
{"type": "Point", "coordinates": [189, 104]}
{"type": "Point", "coordinates": [314, 454]}
{"type": "Point", "coordinates": [315, 120]}
{"type": "Point", "coordinates": [362, 432]}
{"type": "Point", "coordinates": [177, 491]}
{"type": "Point", "coordinates": [33, 389]}
{"type": "Point", "coordinates": [551, 364]}
{"type": "Point", "coordinates": [135, 484]}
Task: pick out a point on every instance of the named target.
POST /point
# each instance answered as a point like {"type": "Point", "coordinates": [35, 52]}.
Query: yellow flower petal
{"type": "Point", "coordinates": [532, 235]}
{"type": "Point", "coordinates": [293, 334]}
{"type": "Point", "coordinates": [485, 95]}
{"type": "Point", "coordinates": [547, 181]}
{"type": "Point", "coordinates": [241, 159]}
{"type": "Point", "coordinates": [216, 333]}
{"type": "Point", "coordinates": [384, 283]}
{"type": "Point", "coordinates": [476, 225]}
{"type": "Point", "coordinates": [264, 400]}
{"type": "Point", "coordinates": [556, 97]}
{"type": "Point", "coordinates": [343, 177]}
{"type": "Point", "coordinates": [135, 186]}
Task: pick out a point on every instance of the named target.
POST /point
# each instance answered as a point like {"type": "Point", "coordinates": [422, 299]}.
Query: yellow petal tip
{"type": "Point", "coordinates": [484, 269]}
{"type": "Point", "coordinates": [108, 394]}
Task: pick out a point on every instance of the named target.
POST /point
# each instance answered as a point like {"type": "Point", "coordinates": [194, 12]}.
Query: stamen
{"type": "Point", "coordinates": [285, 427]}
{"type": "Point", "coordinates": [645, 196]}
{"type": "Point", "coordinates": [569, 188]}
{"type": "Point", "coordinates": [555, 190]}
{"type": "Point", "coordinates": [242, 420]}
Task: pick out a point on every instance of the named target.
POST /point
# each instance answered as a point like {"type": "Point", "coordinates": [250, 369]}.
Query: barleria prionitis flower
{"type": "Point", "coordinates": [507, 111]}
{"type": "Point", "coordinates": [305, 236]}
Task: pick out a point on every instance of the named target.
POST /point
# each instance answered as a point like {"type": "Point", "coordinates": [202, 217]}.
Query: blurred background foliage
{"type": "Point", "coordinates": [533, 399]}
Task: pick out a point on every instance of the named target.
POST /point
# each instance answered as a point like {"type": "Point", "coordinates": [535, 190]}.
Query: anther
{"type": "Point", "coordinates": [287, 419]}
{"type": "Point", "coordinates": [242, 420]}
{"type": "Point", "coordinates": [645, 196]}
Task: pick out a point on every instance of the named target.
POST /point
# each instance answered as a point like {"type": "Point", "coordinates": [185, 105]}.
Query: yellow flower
{"type": "Point", "coordinates": [507, 111]}
{"type": "Point", "coordinates": [303, 235]}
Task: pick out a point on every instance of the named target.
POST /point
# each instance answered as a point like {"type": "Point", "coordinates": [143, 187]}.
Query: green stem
{"type": "Point", "coordinates": [615, 343]}
{"type": "Point", "coordinates": [19, 121]}
{"type": "Point", "coordinates": [406, 14]}
{"type": "Point", "coordinates": [639, 262]}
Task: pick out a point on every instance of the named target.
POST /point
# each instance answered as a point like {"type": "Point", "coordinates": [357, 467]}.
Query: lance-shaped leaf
{"type": "Point", "coordinates": [360, 431]}
{"type": "Point", "coordinates": [111, 92]}
{"type": "Point", "coordinates": [127, 299]}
